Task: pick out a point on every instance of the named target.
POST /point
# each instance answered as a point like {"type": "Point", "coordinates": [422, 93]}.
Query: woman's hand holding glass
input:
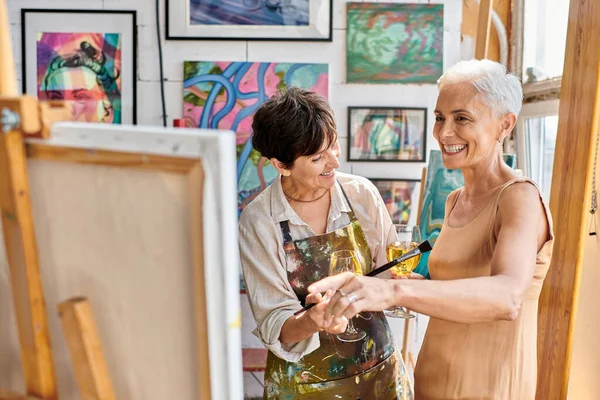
{"type": "Point", "coordinates": [402, 239]}
{"type": "Point", "coordinates": [347, 261]}
{"type": "Point", "coordinates": [322, 320]}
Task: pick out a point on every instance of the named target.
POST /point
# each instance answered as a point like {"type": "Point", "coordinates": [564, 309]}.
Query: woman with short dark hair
{"type": "Point", "coordinates": [287, 235]}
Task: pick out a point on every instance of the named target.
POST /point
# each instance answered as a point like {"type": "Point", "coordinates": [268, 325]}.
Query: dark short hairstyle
{"type": "Point", "coordinates": [293, 123]}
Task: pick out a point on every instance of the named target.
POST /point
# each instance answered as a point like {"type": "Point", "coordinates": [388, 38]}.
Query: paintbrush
{"type": "Point", "coordinates": [422, 248]}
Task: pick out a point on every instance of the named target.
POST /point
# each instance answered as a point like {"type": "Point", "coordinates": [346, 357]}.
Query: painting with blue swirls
{"type": "Point", "coordinates": [439, 183]}
{"type": "Point", "coordinates": [225, 95]}
{"type": "Point", "coordinates": [250, 12]}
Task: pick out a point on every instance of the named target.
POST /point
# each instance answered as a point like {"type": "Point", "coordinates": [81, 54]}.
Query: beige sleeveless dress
{"type": "Point", "coordinates": [483, 361]}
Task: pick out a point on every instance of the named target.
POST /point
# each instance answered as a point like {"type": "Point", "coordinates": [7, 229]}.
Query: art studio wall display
{"type": "Point", "coordinates": [306, 20]}
{"type": "Point", "coordinates": [86, 58]}
{"type": "Point", "coordinates": [387, 134]}
{"type": "Point", "coordinates": [225, 95]}
{"type": "Point", "coordinates": [401, 198]}
{"type": "Point", "coordinates": [394, 43]}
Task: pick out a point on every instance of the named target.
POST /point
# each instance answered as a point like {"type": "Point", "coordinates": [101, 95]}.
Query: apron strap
{"type": "Point", "coordinates": [285, 231]}
{"type": "Point", "coordinates": [288, 242]}
{"type": "Point", "coordinates": [351, 213]}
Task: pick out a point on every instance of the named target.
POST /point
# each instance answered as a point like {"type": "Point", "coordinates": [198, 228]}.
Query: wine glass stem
{"type": "Point", "coordinates": [350, 328]}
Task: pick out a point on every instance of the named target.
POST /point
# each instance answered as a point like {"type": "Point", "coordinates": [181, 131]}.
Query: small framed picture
{"type": "Point", "coordinates": [401, 198]}
{"type": "Point", "coordinates": [86, 58]}
{"type": "Point", "coordinates": [300, 20]}
{"type": "Point", "coordinates": [387, 134]}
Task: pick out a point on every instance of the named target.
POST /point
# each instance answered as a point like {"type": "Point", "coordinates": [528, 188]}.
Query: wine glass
{"type": "Point", "coordinates": [402, 239]}
{"type": "Point", "coordinates": [347, 261]}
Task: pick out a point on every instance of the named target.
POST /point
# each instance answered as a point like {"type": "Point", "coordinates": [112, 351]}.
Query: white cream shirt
{"type": "Point", "coordinates": [264, 265]}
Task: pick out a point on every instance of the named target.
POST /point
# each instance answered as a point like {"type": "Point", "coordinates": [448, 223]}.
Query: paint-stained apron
{"type": "Point", "coordinates": [370, 369]}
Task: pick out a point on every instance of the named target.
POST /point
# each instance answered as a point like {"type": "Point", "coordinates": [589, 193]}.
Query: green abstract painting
{"type": "Point", "coordinates": [394, 43]}
{"type": "Point", "coordinates": [439, 183]}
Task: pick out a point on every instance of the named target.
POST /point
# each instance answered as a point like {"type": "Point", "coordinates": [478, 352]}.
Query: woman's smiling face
{"type": "Point", "coordinates": [466, 129]}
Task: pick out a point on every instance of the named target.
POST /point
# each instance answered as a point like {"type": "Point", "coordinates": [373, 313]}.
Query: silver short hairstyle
{"type": "Point", "coordinates": [500, 91]}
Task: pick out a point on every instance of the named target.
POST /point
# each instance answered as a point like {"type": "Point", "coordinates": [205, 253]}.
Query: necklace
{"type": "Point", "coordinates": [303, 201]}
{"type": "Point", "coordinates": [594, 203]}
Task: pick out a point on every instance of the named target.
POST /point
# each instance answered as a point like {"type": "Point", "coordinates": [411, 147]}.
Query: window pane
{"type": "Point", "coordinates": [544, 37]}
{"type": "Point", "coordinates": [541, 142]}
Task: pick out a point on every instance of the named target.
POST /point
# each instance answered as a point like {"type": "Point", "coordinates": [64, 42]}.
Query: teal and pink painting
{"type": "Point", "coordinates": [225, 95]}
{"type": "Point", "coordinates": [394, 43]}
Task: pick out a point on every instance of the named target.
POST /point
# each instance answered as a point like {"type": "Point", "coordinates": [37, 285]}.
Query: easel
{"type": "Point", "coordinates": [188, 172]}
{"type": "Point", "coordinates": [27, 118]}
{"type": "Point", "coordinates": [24, 116]}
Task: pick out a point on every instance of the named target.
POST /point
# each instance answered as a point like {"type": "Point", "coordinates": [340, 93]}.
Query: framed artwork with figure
{"type": "Point", "coordinates": [304, 20]}
{"type": "Point", "coordinates": [86, 58]}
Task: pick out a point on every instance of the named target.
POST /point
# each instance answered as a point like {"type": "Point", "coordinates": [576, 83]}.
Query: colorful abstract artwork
{"type": "Point", "coordinates": [394, 43]}
{"type": "Point", "coordinates": [386, 134]}
{"type": "Point", "coordinates": [305, 20]}
{"type": "Point", "coordinates": [249, 12]}
{"type": "Point", "coordinates": [84, 70]}
{"type": "Point", "coordinates": [401, 198]}
{"type": "Point", "coordinates": [225, 95]}
{"type": "Point", "coordinates": [439, 183]}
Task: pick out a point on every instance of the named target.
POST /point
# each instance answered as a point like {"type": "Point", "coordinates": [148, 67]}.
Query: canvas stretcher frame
{"type": "Point", "coordinates": [203, 158]}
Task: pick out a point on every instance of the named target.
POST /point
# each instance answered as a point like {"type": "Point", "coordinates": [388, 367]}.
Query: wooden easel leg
{"type": "Point", "coordinates": [22, 255]}
{"type": "Point", "coordinates": [84, 345]}
{"type": "Point", "coordinates": [19, 236]}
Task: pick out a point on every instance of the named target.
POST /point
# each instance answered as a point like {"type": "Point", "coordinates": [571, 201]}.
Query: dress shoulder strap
{"type": "Point", "coordinates": [544, 204]}
{"type": "Point", "coordinates": [452, 200]}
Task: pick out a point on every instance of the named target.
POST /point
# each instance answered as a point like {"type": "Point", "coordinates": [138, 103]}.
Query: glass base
{"type": "Point", "coordinates": [351, 336]}
{"type": "Point", "coordinates": [398, 312]}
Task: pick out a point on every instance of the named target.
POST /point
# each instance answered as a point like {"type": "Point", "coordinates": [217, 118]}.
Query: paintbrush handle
{"type": "Point", "coordinates": [423, 248]}
{"type": "Point", "coordinates": [413, 253]}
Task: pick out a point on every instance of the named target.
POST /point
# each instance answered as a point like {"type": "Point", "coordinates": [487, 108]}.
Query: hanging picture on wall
{"type": "Point", "coordinates": [308, 20]}
{"type": "Point", "coordinates": [401, 198]}
{"type": "Point", "coordinates": [225, 95]}
{"type": "Point", "coordinates": [86, 60]}
{"type": "Point", "coordinates": [387, 134]}
{"type": "Point", "coordinates": [394, 43]}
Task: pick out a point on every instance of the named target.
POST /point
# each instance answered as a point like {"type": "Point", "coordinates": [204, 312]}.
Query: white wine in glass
{"type": "Point", "coordinates": [347, 261]}
{"type": "Point", "coordinates": [402, 239]}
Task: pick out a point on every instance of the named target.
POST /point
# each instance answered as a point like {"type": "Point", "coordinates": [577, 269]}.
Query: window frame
{"type": "Point", "coordinates": [546, 89]}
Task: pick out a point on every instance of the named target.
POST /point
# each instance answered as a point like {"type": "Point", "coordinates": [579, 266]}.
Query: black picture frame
{"type": "Point", "coordinates": [409, 155]}
{"type": "Point", "coordinates": [35, 20]}
{"type": "Point", "coordinates": [177, 28]}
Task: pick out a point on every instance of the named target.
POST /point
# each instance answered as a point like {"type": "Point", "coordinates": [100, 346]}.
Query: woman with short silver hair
{"type": "Point", "coordinates": [489, 261]}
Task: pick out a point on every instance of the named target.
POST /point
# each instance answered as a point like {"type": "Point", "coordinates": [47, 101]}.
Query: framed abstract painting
{"type": "Point", "coordinates": [401, 198]}
{"type": "Point", "coordinates": [306, 20]}
{"type": "Point", "coordinates": [86, 58]}
{"type": "Point", "coordinates": [394, 43]}
{"type": "Point", "coordinates": [225, 95]}
{"type": "Point", "coordinates": [387, 134]}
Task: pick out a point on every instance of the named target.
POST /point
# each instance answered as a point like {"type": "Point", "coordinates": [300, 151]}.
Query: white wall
{"type": "Point", "coordinates": [341, 95]}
